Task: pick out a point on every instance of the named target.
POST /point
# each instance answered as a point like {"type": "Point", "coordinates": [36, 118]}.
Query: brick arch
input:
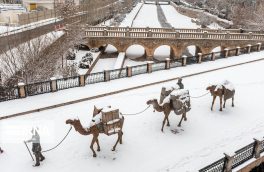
{"type": "Point", "coordinates": [172, 55]}
{"type": "Point", "coordinates": [197, 46]}
{"type": "Point", "coordinates": [148, 50]}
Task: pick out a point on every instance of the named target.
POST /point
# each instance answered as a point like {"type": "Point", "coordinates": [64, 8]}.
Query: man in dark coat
{"type": "Point", "coordinates": [1, 150]}
{"type": "Point", "coordinates": [180, 84]}
{"type": "Point", "coordinates": [36, 147]}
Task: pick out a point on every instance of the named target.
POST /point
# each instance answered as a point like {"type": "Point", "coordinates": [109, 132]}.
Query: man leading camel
{"type": "Point", "coordinates": [36, 147]}
{"type": "Point", "coordinates": [180, 84]}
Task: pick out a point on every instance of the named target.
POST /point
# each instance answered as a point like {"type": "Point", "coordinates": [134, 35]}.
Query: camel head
{"type": "Point", "coordinates": [75, 122]}
{"type": "Point", "coordinates": [152, 101]}
{"type": "Point", "coordinates": [214, 91]}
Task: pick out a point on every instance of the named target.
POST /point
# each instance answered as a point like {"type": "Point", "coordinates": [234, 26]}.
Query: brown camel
{"type": "Point", "coordinates": [223, 92]}
{"type": "Point", "coordinates": [166, 108]}
{"type": "Point", "coordinates": [95, 130]}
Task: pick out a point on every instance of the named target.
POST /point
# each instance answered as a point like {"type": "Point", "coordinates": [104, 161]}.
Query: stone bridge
{"type": "Point", "coordinates": [178, 40]}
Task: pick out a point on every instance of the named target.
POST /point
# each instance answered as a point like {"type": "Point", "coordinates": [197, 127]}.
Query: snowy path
{"type": "Point", "coordinates": [176, 19]}
{"type": "Point", "coordinates": [145, 147]}
{"type": "Point", "coordinates": [147, 17]}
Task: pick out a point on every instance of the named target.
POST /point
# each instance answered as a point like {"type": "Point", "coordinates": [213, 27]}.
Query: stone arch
{"type": "Point", "coordinates": [111, 48]}
{"type": "Point", "coordinates": [192, 50]}
{"type": "Point", "coordinates": [163, 51]}
{"type": "Point", "coordinates": [136, 51]}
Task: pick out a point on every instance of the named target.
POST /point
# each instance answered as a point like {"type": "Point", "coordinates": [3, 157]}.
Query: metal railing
{"type": "Point", "coordinates": [8, 94]}
{"type": "Point", "coordinates": [242, 155]}
{"type": "Point", "coordinates": [38, 88]}
{"type": "Point", "coordinates": [70, 82]}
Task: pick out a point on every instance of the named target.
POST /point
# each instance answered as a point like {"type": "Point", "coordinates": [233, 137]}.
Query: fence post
{"type": "Point", "coordinates": [213, 56]}
{"type": "Point", "coordinates": [226, 52]}
{"type": "Point", "coordinates": [167, 63]}
{"type": "Point", "coordinates": [149, 67]}
{"type": "Point", "coordinates": [21, 90]}
{"type": "Point", "coordinates": [250, 35]}
{"type": "Point", "coordinates": [257, 146]}
{"type": "Point", "coordinates": [184, 60]}
{"type": "Point", "coordinates": [248, 48]}
{"type": "Point", "coordinates": [200, 57]}
{"type": "Point", "coordinates": [82, 80]}
{"type": "Point", "coordinates": [53, 84]}
{"type": "Point", "coordinates": [129, 71]}
{"type": "Point", "coordinates": [127, 32]}
{"type": "Point", "coordinates": [237, 51]}
{"type": "Point", "coordinates": [205, 34]}
{"type": "Point", "coordinates": [259, 46]}
{"type": "Point", "coordinates": [177, 34]}
{"type": "Point", "coordinates": [228, 163]}
{"type": "Point", "coordinates": [106, 75]}
{"type": "Point", "coordinates": [105, 32]}
{"type": "Point", "coordinates": [149, 33]}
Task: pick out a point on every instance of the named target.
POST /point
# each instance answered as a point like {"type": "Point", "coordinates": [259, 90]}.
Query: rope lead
{"type": "Point", "coordinates": [135, 113]}
{"type": "Point", "coordinates": [60, 142]}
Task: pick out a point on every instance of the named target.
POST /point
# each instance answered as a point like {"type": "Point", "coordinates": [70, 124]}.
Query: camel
{"type": "Point", "coordinates": [224, 90]}
{"type": "Point", "coordinates": [95, 130]}
{"type": "Point", "coordinates": [166, 108]}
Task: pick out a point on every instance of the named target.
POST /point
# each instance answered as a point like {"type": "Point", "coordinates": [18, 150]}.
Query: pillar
{"type": "Point", "coordinates": [129, 71]}
{"type": "Point", "coordinates": [53, 84]}
{"type": "Point", "coordinates": [228, 163]}
{"type": "Point", "coordinates": [200, 57]}
{"type": "Point", "coordinates": [259, 46]}
{"type": "Point", "coordinates": [105, 32]}
{"type": "Point", "coordinates": [184, 60]}
{"type": "Point", "coordinates": [167, 63]}
{"type": "Point", "coordinates": [237, 51]}
{"type": "Point", "coordinates": [257, 147]}
{"type": "Point", "coordinates": [21, 90]}
{"type": "Point", "coordinates": [213, 56]}
{"type": "Point", "coordinates": [149, 67]}
{"type": "Point", "coordinates": [248, 48]}
{"type": "Point", "coordinates": [82, 80]}
{"type": "Point", "coordinates": [106, 75]}
{"type": "Point", "coordinates": [226, 52]}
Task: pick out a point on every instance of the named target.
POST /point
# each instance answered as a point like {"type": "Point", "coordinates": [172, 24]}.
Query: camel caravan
{"type": "Point", "coordinates": [110, 121]}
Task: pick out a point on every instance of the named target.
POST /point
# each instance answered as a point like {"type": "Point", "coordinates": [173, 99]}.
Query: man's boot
{"type": "Point", "coordinates": [37, 160]}
{"type": "Point", "coordinates": [41, 157]}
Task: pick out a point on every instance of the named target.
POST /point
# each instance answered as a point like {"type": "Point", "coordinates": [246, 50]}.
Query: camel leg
{"type": "Point", "coordinates": [118, 139]}
{"type": "Point", "coordinates": [184, 116]}
{"type": "Point", "coordinates": [220, 97]}
{"type": "Point", "coordinates": [233, 102]}
{"type": "Point", "coordinates": [168, 122]}
{"type": "Point", "coordinates": [224, 103]}
{"type": "Point", "coordinates": [213, 102]}
{"type": "Point", "coordinates": [163, 123]}
{"type": "Point", "coordinates": [121, 138]}
{"type": "Point", "coordinates": [98, 146]}
{"type": "Point", "coordinates": [91, 146]}
{"type": "Point", "coordinates": [179, 125]}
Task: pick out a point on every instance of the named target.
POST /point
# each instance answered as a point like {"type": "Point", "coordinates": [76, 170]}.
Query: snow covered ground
{"type": "Point", "coordinates": [200, 141]}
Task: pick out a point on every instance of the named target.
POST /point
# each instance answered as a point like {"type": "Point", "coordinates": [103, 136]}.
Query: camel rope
{"type": "Point", "coordinates": [200, 95]}
{"type": "Point", "coordinates": [59, 142]}
{"type": "Point", "coordinates": [135, 113]}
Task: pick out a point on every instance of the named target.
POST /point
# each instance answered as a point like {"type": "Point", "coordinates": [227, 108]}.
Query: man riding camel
{"type": "Point", "coordinates": [180, 84]}
{"type": "Point", "coordinates": [36, 147]}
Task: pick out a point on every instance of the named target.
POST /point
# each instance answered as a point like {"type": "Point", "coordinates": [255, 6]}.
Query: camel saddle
{"type": "Point", "coordinates": [180, 100]}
